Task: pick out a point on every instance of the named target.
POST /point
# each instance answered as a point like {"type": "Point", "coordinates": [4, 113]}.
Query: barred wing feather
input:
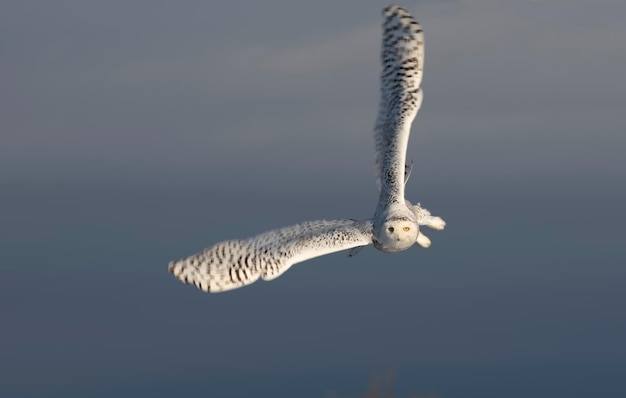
{"type": "Point", "coordinates": [402, 57]}
{"type": "Point", "coordinates": [235, 263]}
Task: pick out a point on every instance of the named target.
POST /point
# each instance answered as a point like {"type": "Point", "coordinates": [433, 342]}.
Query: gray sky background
{"type": "Point", "coordinates": [134, 133]}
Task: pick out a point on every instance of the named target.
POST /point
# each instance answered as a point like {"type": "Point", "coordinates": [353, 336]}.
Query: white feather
{"type": "Point", "coordinates": [402, 57]}
{"type": "Point", "coordinates": [395, 225]}
{"type": "Point", "coordinates": [235, 263]}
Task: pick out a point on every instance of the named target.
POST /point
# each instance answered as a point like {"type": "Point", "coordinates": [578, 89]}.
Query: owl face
{"type": "Point", "coordinates": [396, 235]}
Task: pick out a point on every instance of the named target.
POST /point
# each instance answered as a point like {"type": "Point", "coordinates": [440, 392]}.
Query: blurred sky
{"type": "Point", "coordinates": [133, 133]}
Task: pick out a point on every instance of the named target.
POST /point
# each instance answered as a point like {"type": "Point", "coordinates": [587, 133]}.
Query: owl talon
{"type": "Point", "coordinates": [423, 241]}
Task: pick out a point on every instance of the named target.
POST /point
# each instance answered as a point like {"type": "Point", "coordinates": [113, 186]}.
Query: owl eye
{"type": "Point", "coordinates": [406, 229]}
{"type": "Point", "coordinates": [390, 229]}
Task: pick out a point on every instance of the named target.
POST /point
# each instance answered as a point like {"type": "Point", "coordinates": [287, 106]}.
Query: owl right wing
{"type": "Point", "coordinates": [235, 263]}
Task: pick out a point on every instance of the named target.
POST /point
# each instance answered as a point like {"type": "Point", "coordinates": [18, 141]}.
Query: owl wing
{"type": "Point", "coordinates": [235, 263]}
{"type": "Point", "coordinates": [402, 58]}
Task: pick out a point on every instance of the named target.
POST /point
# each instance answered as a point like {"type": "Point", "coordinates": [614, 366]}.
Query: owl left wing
{"type": "Point", "coordinates": [402, 57]}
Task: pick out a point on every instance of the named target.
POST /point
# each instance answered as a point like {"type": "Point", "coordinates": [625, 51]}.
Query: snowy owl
{"type": "Point", "coordinates": [395, 225]}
